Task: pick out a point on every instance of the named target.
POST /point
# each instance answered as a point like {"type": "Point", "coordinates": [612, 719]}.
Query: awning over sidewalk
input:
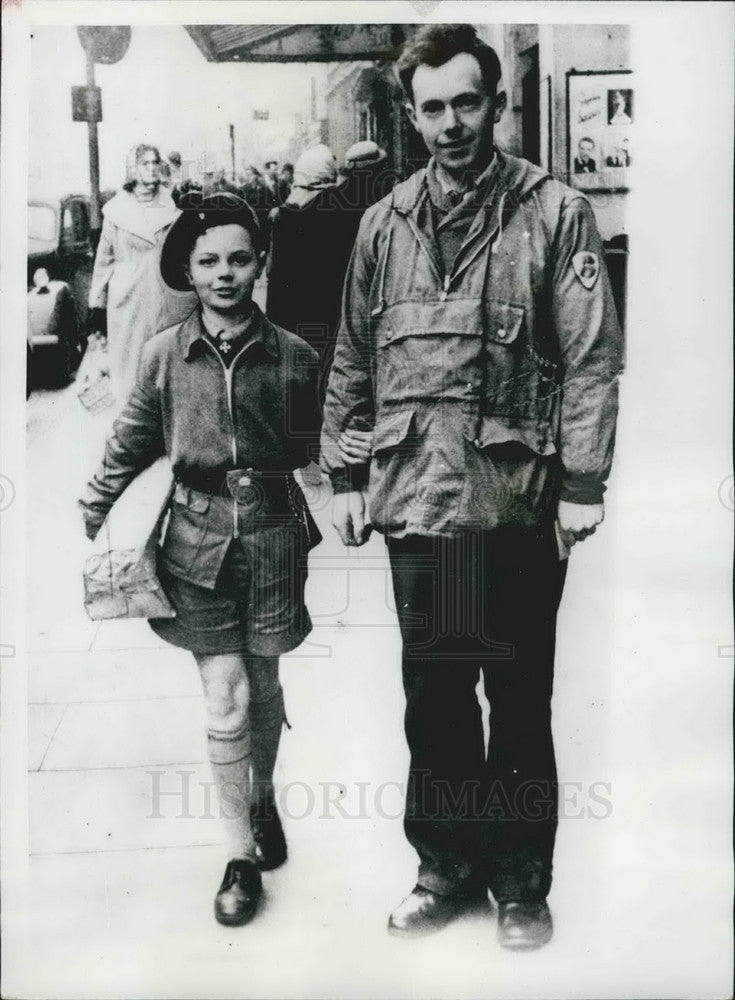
{"type": "Point", "coordinates": [298, 42]}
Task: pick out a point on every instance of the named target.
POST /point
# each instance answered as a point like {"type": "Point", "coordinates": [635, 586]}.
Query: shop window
{"type": "Point", "coordinates": [367, 123]}
{"type": "Point", "coordinates": [67, 226]}
{"type": "Point", "coordinates": [75, 225]}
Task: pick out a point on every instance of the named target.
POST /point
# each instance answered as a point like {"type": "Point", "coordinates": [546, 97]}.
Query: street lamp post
{"type": "Point", "coordinates": [104, 44]}
{"type": "Point", "coordinates": [95, 221]}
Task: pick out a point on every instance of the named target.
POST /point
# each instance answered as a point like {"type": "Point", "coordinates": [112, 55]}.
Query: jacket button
{"type": "Point", "coordinates": [501, 334]}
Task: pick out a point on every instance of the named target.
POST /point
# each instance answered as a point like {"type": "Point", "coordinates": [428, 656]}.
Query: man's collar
{"type": "Point", "coordinates": [444, 190]}
{"type": "Point", "coordinates": [263, 335]}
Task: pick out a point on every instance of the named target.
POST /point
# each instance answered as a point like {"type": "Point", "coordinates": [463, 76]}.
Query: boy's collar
{"type": "Point", "coordinates": [263, 337]}
{"type": "Point", "coordinates": [215, 328]}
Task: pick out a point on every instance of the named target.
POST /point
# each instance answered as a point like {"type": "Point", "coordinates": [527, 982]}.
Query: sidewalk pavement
{"type": "Point", "coordinates": [127, 852]}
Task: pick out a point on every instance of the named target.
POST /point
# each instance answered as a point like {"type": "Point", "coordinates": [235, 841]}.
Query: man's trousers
{"type": "Point", "coordinates": [480, 604]}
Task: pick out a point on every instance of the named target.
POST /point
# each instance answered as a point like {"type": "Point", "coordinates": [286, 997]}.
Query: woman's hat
{"type": "Point", "coordinates": [314, 170]}
{"type": "Point", "coordinates": [198, 214]}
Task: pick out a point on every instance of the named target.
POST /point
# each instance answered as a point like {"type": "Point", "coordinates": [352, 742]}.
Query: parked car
{"type": "Point", "coordinates": [60, 262]}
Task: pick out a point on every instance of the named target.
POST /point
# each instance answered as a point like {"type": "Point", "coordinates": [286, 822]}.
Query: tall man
{"type": "Point", "coordinates": [479, 341]}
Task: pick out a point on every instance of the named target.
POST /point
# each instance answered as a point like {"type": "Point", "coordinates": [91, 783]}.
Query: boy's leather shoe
{"type": "Point", "coordinates": [237, 899]}
{"type": "Point", "coordinates": [524, 924]}
{"type": "Point", "coordinates": [268, 833]}
{"type": "Point", "coordinates": [424, 912]}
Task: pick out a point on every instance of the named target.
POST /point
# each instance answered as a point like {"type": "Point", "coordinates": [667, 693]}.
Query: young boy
{"type": "Point", "coordinates": [232, 401]}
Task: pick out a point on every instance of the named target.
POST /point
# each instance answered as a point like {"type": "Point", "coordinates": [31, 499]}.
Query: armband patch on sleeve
{"type": "Point", "coordinates": [586, 266]}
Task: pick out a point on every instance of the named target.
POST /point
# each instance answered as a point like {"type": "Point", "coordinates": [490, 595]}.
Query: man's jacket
{"type": "Point", "coordinates": [492, 390]}
{"type": "Point", "coordinates": [261, 414]}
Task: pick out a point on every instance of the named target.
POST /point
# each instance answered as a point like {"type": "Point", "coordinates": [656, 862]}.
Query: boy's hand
{"type": "Point", "coordinates": [355, 446]}
{"type": "Point", "coordinates": [578, 520]}
{"type": "Point", "coordinates": [348, 517]}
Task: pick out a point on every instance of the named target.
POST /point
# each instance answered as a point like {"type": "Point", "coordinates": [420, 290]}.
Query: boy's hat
{"type": "Point", "coordinates": [198, 214]}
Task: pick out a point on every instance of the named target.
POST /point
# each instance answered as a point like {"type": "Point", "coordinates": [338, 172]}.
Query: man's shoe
{"type": "Point", "coordinates": [237, 899]}
{"type": "Point", "coordinates": [425, 912]}
{"type": "Point", "coordinates": [524, 924]}
{"type": "Point", "coordinates": [269, 837]}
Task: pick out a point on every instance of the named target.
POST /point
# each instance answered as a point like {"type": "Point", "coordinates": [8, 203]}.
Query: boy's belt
{"type": "Point", "coordinates": [235, 484]}
{"type": "Point", "coordinates": [266, 493]}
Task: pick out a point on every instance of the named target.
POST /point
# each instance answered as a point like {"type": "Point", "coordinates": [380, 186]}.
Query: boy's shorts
{"type": "Point", "coordinates": [256, 607]}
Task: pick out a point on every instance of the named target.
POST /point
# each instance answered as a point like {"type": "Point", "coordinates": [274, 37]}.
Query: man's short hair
{"type": "Point", "coordinates": [586, 138]}
{"type": "Point", "coordinates": [436, 44]}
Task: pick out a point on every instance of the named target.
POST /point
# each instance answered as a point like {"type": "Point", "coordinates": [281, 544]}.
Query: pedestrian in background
{"type": "Point", "coordinates": [220, 183]}
{"type": "Point", "coordinates": [312, 235]}
{"type": "Point", "coordinates": [255, 192]}
{"type": "Point", "coordinates": [176, 174]}
{"type": "Point", "coordinates": [128, 301]}
{"type": "Point", "coordinates": [367, 177]}
{"type": "Point", "coordinates": [270, 177]}
{"type": "Point", "coordinates": [285, 181]}
{"type": "Point", "coordinates": [218, 394]}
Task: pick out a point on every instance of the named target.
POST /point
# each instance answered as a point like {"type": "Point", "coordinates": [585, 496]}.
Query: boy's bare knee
{"type": "Point", "coordinates": [226, 691]}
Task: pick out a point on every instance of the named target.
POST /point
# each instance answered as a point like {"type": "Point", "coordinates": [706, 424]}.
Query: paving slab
{"type": "Point", "coordinates": [128, 734]}
{"type": "Point", "coordinates": [139, 923]}
{"type": "Point", "coordinates": [133, 634]}
{"type": "Point", "coordinates": [111, 675]}
{"type": "Point", "coordinates": [122, 809]}
{"type": "Point", "coordinates": [43, 722]}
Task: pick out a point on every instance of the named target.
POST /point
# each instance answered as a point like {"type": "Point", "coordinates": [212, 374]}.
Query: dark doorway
{"type": "Point", "coordinates": [417, 155]}
{"type": "Point", "coordinates": [531, 111]}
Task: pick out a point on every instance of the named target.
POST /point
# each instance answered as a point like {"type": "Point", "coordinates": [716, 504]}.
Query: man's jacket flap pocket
{"type": "Point", "coordinates": [505, 321]}
{"type": "Point", "coordinates": [391, 430]}
{"type": "Point", "coordinates": [497, 432]}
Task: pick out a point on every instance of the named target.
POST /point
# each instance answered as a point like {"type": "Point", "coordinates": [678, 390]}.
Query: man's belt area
{"type": "Point", "coordinates": [273, 494]}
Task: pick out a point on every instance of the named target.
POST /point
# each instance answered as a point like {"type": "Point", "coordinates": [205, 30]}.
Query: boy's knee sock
{"type": "Point", "coordinates": [230, 757]}
{"type": "Point", "coordinates": [266, 720]}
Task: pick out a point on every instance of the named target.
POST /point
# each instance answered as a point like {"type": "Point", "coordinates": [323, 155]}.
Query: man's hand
{"type": "Point", "coordinates": [348, 517]}
{"type": "Point", "coordinates": [355, 446]}
{"type": "Point", "coordinates": [578, 520]}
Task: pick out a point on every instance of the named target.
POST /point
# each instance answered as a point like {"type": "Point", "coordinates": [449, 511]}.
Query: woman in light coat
{"type": "Point", "coordinates": [126, 281]}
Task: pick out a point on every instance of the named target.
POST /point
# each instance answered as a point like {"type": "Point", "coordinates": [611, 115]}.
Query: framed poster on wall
{"type": "Point", "coordinates": [600, 129]}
